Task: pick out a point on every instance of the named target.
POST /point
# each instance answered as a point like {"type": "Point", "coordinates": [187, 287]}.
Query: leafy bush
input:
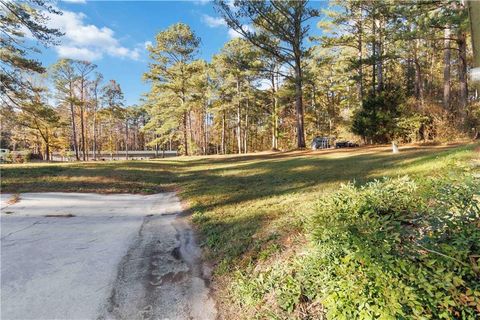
{"type": "Point", "coordinates": [9, 157]}
{"type": "Point", "coordinates": [21, 156]}
{"type": "Point", "coordinates": [387, 250]}
{"type": "Point", "coordinates": [412, 128]}
{"type": "Point", "coordinates": [388, 116]}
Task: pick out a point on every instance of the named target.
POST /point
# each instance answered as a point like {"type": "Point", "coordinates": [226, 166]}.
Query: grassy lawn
{"type": "Point", "coordinates": [247, 208]}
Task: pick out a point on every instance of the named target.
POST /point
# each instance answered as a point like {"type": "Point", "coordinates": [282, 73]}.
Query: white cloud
{"type": "Point", "coordinates": [202, 2]}
{"type": "Point", "coordinates": [234, 34]}
{"type": "Point", "coordinates": [147, 44]}
{"type": "Point", "coordinates": [213, 22]}
{"type": "Point", "coordinates": [87, 41]}
{"type": "Point", "coordinates": [123, 52]}
{"type": "Point", "coordinates": [75, 1]}
{"type": "Point", "coordinates": [78, 53]}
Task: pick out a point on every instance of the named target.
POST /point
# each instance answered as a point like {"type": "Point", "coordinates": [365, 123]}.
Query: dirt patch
{"type": "Point", "coordinates": [14, 199]}
{"type": "Point", "coordinates": [174, 277]}
{"type": "Point", "coordinates": [161, 275]}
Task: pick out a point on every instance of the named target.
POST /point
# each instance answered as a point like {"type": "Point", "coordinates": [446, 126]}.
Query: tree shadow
{"type": "Point", "coordinates": [223, 192]}
{"type": "Point", "coordinates": [285, 175]}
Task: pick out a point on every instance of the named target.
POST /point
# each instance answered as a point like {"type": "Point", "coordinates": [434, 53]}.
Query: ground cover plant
{"type": "Point", "coordinates": [287, 241]}
{"type": "Point", "coordinates": [384, 250]}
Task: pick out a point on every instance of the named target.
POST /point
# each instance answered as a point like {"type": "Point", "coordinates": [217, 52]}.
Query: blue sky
{"type": "Point", "coordinates": [113, 35]}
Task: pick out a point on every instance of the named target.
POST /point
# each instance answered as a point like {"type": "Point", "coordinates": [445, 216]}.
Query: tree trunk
{"type": "Point", "coordinates": [360, 67]}
{"type": "Point", "coordinates": [239, 130]}
{"type": "Point", "coordinates": [360, 54]}
{"type": "Point", "coordinates": [474, 15]}
{"type": "Point", "coordinates": [297, 50]}
{"type": "Point", "coordinates": [299, 103]}
{"type": "Point", "coordinates": [185, 134]}
{"type": "Point", "coordinates": [135, 137]}
{"type": "Point", "coordinates": [379, 53]}
{"type": "Point", "coordinates": [274, 115]}
{"type": "Point", "coordinates": [379, 70]}
{"type": "Point", "coordinates": [190, 131]}
{"type": "Point", "coordinates": [74, 130]}
{"type": "Point", "coordinates": [418, 76]}
{"type": "Point", "coordinates": [462, 74]}
{"type": "Point", "coordinates": [111, 147]}
{"type": "Point", "coordinates": [205, 132]}
{"type": "Point", "coordinates": [245, 131]}
{"type": "Point", "coordinates": [239, 120]}
{"type": "Point", "coordinates": [432, 75]}
{"type": "Point", "coordinates": [374, 55]}
{"type": "Point", "coordinates": [95, 135]}
{"type": "Point", "coordinates": [82, 114]}
{"type": "Point", "coordinates": [47, 146]}
{"type": "Point", "coordinates": [223, 133]}
{"type": "Point", "coordinates": [418, 83]}
{"type": "Point", "coordinates": [126, 140]}
{"type": "Point", "coordinates": [82, 137]}
{"type": "Point", "coordinates": [446, 70]}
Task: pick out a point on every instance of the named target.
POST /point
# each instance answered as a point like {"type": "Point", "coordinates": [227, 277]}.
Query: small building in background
{"type": "Point", "coordinates": [321, 143]}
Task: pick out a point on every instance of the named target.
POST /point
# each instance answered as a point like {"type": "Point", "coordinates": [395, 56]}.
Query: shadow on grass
{"type": "Point", "coordinates": [227, 186]}
{"type": "Point", "coordinates": [298, 175]}
{"type": "Point", "coordinates": [251, 177]}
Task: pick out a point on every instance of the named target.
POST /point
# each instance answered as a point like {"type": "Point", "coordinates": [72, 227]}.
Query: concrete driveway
{"type": "Point", "coordinates": [91, 256]}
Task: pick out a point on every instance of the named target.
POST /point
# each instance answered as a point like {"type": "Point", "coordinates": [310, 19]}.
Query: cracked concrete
{"type": "Point", "coordinates": [91, 256]}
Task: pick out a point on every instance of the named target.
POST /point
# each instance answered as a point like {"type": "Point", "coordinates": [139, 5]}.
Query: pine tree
{"type": "Point", "coordinates": [17, 19]}
{"type": "Point", "coordinates": [170, 74]}
{"type": "Point", "coordinates": [279, 28]}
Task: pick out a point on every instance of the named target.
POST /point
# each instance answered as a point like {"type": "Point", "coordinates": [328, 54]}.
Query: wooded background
{"type": "Point", "coordinates": [382, 71]}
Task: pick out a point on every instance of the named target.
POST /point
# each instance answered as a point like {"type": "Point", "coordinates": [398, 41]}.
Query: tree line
{"type": "Point", "coordinates": [73, 111]}
{"type": "Point", "coordinates": [380, 71]}
{"type": "Point", "coordinates": [67, 107]}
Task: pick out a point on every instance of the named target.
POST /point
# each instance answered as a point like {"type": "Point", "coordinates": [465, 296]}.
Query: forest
{"type": "Point", "coordinates": [379, 71]}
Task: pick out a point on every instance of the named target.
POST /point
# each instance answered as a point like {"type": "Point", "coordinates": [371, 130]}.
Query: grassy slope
{"type": "Point", "coordinates": [246, 207]}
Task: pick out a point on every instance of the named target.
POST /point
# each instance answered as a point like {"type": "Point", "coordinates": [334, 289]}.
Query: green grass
{"type": "Point", "coordinates": [246, 208]}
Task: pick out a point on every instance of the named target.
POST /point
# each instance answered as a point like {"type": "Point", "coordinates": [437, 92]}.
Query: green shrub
{"type": "Point", "coordinates": [387, 250]}
{"type": "Point", "coordinates": [409, 127]}
{"type": "Point", "coordinates": [377, 119]}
